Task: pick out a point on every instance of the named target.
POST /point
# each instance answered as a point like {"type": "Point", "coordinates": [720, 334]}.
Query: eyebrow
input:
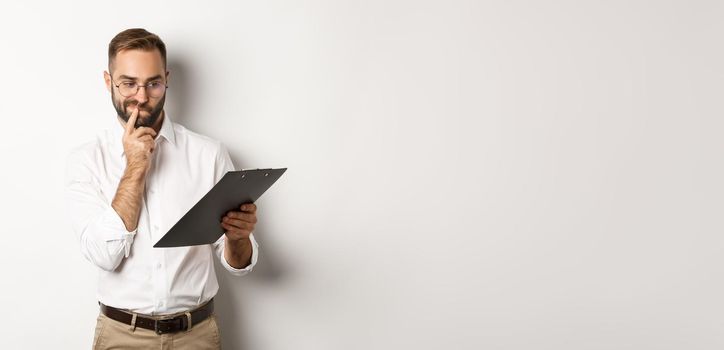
{"type": "Point", "coordinates": [127, 77]}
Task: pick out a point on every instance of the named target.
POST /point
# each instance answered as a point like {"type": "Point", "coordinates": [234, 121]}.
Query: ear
{"type": "Point", "coordinates": [107, 78]}
{"type": "Point", "coordinates": [168, 73]}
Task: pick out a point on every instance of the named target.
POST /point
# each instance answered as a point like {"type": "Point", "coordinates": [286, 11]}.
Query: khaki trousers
{"type": "Point", "coordinates": [111, 334]}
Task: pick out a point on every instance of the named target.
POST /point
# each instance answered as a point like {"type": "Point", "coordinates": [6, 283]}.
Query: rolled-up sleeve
{"type": "Point", "coordinates": [103, 237]}
{"type": "Point", "coordinates": [224, 165]}
{"type": "Point", "coordinates": [220, 246]}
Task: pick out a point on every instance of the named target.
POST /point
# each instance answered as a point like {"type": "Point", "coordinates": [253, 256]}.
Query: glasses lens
{"type": "Point", "coordinates": [127, 89]}
{"type": "Point", "coordinates": [155, 89]}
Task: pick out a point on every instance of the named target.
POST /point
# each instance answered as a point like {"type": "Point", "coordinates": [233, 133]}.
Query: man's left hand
{"type": "Point", "coordinates": [240, 224]}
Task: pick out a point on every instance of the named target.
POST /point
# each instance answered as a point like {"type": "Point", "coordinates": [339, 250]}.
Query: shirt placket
{"type": "Point", "coordinates": [158, 263]}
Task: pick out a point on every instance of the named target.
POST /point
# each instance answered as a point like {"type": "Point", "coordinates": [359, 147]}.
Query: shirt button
{"type": "Point", "coordinates": [158, 266]}
{"type": "Point", "coordinates": [155, 227]}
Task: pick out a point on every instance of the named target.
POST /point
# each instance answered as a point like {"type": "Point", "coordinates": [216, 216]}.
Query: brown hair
{"type": "Point", "coordinates": [135, 39]}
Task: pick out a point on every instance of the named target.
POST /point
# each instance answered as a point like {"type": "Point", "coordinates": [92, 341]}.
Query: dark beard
{"type": "Point", "coordinates": [123, 113]}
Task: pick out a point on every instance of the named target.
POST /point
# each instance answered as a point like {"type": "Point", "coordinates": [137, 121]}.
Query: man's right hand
{"type": "Point", "coordinates": [138, 144]}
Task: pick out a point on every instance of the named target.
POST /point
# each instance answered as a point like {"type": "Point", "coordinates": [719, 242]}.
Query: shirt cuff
{"type": "Point", "coordinates": [248, 268]}
{"type": "Point", "coordinates": [114, 229]}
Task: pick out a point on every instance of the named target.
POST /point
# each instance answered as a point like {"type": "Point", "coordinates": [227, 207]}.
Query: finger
{"type": "Point", "coordinates": [248, 207]}
{"type": "Point", "coordinates": [235, 232]}
{"type": "Point", "coordinates": [144, 131]}
{"type": "Point", "coordinates": [240, 224]}
{"type": "Point", "coordinates": [248, 217]}
{"type": "Point", "coordinates": [146, 138]}
{"type": "Point", "coordinates": [131, 123]}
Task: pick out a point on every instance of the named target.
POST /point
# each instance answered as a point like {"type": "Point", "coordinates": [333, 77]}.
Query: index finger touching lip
{"type": "Point", "coordinates": [131, 123]}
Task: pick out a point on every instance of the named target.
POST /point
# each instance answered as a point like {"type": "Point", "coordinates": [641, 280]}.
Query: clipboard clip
{"type": "Point", "coordinates": [256, 169]}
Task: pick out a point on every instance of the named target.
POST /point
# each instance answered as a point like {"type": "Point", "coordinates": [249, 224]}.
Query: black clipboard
{"type": "Point", "coordinates": [202, 223]}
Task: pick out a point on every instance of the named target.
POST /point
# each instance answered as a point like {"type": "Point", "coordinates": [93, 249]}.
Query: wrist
{"type": "Point", "coordinates": [136, 169]}
{"type": "Point", "coordinates": [239, 242]}
{"type": "Point", "coordinates": [238, 253]}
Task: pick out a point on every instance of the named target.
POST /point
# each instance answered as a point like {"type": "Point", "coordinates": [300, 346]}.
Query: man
{"type": "Point", "coordinates": [127, 188]}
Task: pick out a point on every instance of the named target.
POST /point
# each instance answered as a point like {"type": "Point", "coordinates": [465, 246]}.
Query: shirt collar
{"type": "Point", "coordinates": [166, 132]}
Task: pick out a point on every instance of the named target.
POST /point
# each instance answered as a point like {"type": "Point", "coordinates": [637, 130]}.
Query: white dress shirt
{"type": "Point", "coordinates": [133, 274]}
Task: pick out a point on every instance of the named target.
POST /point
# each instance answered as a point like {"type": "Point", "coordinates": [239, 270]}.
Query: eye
{"type": "Point", "coordinates": [128, 84]}
{"type": "Point", "coordinates": [154, 84]}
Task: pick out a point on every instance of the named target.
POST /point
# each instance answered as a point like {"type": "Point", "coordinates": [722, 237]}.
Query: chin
{"type": "Point", "coordinates": [144, 122]}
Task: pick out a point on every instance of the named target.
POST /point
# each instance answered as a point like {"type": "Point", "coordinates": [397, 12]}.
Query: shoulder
{"type": "Point", "coordinates": [201, 149]}
{"type": "Point", "coordinates": [196, 142]}
{"type": "Point", "coordinates": [89, 150]}
{"type": "Point", "coordinates": [86, 157]}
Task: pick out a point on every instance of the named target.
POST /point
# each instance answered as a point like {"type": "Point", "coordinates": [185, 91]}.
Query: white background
{"type": "Point", "coordinates": [462, 174]}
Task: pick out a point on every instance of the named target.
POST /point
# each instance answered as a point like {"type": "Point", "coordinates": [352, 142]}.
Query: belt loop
{"type": "Point", "coordinates": [188, 316]}
{"type": "Point", "coordinates": [133, 322]}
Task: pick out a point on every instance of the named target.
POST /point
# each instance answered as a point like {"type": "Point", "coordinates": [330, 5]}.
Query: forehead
{"type": "Point", "coordinates": [138, 63]}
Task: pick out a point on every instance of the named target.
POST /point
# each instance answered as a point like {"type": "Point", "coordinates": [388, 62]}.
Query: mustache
{"type": "Point", "coordinates": [143, 107]}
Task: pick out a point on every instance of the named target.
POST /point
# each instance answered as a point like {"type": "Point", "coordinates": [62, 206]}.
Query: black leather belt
{"type": "Point", "coordinates": [163, 325]}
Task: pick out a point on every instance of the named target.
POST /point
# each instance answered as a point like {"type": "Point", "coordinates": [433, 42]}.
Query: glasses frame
{"type": "Point", "coordinates": [138, 88]}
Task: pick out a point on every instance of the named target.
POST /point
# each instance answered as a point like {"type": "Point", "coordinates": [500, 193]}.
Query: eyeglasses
{"type": "Point", "coordinates": [154, 89]}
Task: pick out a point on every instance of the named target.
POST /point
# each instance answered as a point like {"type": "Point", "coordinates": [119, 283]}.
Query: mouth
{"type": "Point", "coordinates": [129, 109]}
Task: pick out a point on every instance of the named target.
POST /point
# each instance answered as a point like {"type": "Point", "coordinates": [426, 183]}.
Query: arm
{"type": "Point", "coordinates": [238, 226]}
{"type": "Point", "coordinates": [127, 201]}
{"type": "Point", "coordinates": [220, 249]}
{"type": "Point", "coordinates": [101, 233]}
{"type": "Point", "coordinates": [138, 146]}
{"type": "Point", "coordinates": [237, 249]}
{"type": "Point", "coordinates": [238, 253]}
{"type": "Point", "coordinates": [105, 231]}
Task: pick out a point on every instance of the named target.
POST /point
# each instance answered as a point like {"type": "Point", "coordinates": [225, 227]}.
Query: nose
{"type": "Point", "coordinates": [141, 95]}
